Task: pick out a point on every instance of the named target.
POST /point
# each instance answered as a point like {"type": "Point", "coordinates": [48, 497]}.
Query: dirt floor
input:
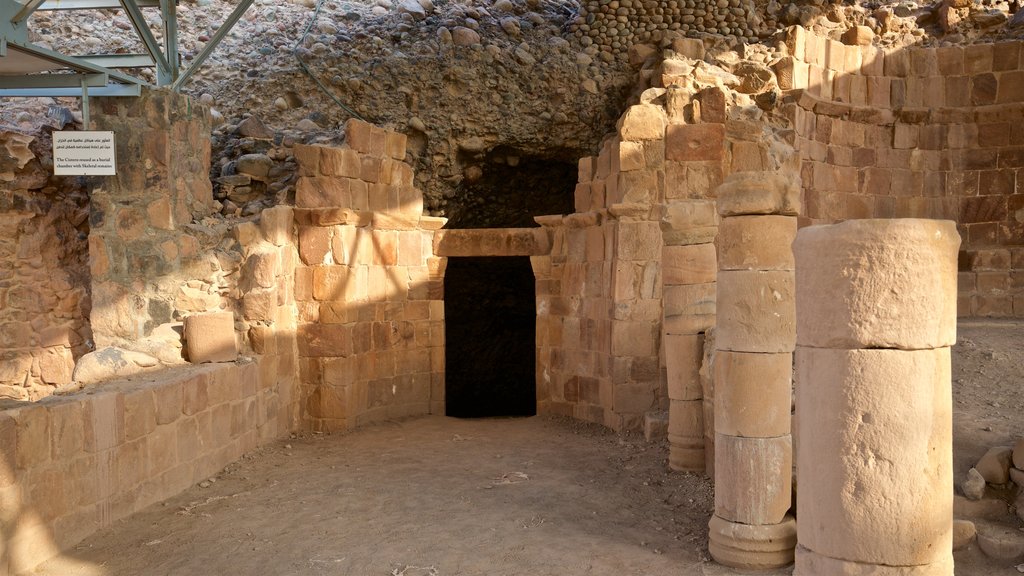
{"type": "Point", "coordinates": [529, 496]}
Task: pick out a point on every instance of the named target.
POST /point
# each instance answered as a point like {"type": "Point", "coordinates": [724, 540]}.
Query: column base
{"type": "Point", "coordinates": [752, 547]}
{"type": "Point", "coordinates": [809, 563]}
{"type": "Point", "coordinates": [685, 453]}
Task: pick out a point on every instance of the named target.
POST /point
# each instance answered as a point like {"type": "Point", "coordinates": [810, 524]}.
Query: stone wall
{"type": "Point", "coordinates": [368, 287]}
{"type": "Point", "coordinates": [921, 132]}
{"type": "Point", "coordinates": [44, 280]}
{"type": "Point", "coordinates": [632, 271]}
{"type": "Point", "coordinates": [71, 465]}
{"type": "Point", "coordinates": [151, 257]}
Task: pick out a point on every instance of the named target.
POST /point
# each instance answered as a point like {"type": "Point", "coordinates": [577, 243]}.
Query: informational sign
{"type": "Point", "coordinates": [84, 154]}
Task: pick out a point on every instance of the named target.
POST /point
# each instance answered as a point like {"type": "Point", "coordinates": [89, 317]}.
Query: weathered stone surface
{"type": "Point", "coordinates": [1018, 454]}
{"type": "Point", "coordinates": [964, 532]}
{"type": "Point", "coordinates": [683, 356]}
{"type": "Point", "coordinates": [809, 563]}
{"type": "Point", "coordinates": [643, 122]}
{"type": "Point", "coordinates": [492, 242]}
{"type": "Point", "coordinates": [753, 397]}
{"type": "Point", "coordinates": [111, 363]}
{"type": "Point", "coordinates": [761, 473]}
{"type": "Point", "coordinates": [694, 264]}
{"type": "Point", "coordinates": [880, 421]}
{"type": "Point", "coordinates": [756, 311]}
{"type": "Point", "coordinates": [210, 337]}
{"type": "Point", "coordinates": [973, 485]}
{"type": "Point", "coordinates": [752, 547]}
{"type": "Point", "coordinates": [994, 465]}
{"type": "Point", "coordinates": [877, 284]}
{"type": "Point", "coordinates": [756, 243]}
{"type": "Point", "coordinates": [1001, 542]}
{"type": "Point", "coordinates": [758, 193]}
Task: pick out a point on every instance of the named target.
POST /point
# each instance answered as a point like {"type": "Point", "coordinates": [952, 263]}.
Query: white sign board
{"type": "Point", "coordinates": [84, 154]}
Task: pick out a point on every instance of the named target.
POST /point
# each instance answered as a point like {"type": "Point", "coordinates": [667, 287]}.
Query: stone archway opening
{"type": "Point", "coordinates": [490, 335]}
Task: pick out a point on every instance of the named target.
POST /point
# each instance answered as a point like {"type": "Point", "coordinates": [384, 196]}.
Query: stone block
{"type": "Point", "coordinates": [756, 242]}
{"type": "Point", "coordinates": [32, 426]}
{"type": "Point", "coordinates": [139, 413]}
{"type": "Point", "coordinates": [194, 395]}
{"type": "Point", "coordinates": [753, 547]}
{"type": "Point", "coordinates": [688, 309]}
{"type": "Point", "coordinates": [103, 415]}
{"type": "Point", "coordinates": [683, 356]}
{"type": "Point", "coordinates": [810, 563]}
{"type": "Point", "coordinates": [758, 193]}
{"type": "Point", "coordinates": [643, 122]}
{"type": "Point", "coordinates": [276, 225]}
{"type": "Point", "coordinates": [694, 264]}
{"type": "Point", "coordinates": [639, 240]}
{"type": "Point", "coordinates": [323, 192]}
{"type": "Point", "coordinates": [753, 394]}
{"type": "Point", "coordinates": [695, 142]}
{"type": "Point", "coordinates": [686, 454]}
{"type": "Point", "coordinates": [365, 137]}
{"type": "Point", "coordinates": [754, 478]}
{"type": "Point", "coordinates": [8, 449]}
{"type": "Point", "coordinates": [395, 145]}
{"type": "Point", "coordinates": [877, 284]}
{"type": "Point", "coordinates": [881, 421]}
{"type": "Point", "coordinates": [686, 420]}
{"type": "Point", "coordinates": [685, 215]}
{"type": "Point", "coordinates": [630, 338]}
{"type": "Point", "coordinates": [210, 337]}
{"type": "Point", "coordinates": [756, 311]}
{"type": "Point", "coordinates": [168, 398]}
{"type": "Point", "coordinates": [67, 430]}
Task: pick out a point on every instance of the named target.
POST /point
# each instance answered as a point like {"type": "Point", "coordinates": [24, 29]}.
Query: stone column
{"type": "Point", "coordinates": [755, 337]}
{"type": "Point", "coordinates": [877, 317]}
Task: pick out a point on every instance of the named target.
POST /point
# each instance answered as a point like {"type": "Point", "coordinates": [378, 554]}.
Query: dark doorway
{"type": "Point", "coordinates": [490, 327]}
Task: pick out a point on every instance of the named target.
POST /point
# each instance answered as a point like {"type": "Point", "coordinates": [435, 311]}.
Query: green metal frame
{"type": "Point", "coordinates": [87, 70]}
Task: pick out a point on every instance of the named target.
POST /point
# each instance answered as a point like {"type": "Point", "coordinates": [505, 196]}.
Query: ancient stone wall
{"type": "Point", "coordinates": [70, 465]}
{"type": "Point", "coordinates": [151, 258]}
{"type": "Point", "coordinates": [368, 286]}
{"type": "Point", "coordinates": [44, 280]}
{"type": "Point", "coordinates": [920, 132]}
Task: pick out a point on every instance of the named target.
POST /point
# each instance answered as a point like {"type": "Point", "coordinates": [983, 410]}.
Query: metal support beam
{"type": "Point", "coordinates": [73, 63]}
{"type": "Point", "coordinates": [142, 29]}
{"type": "Point", "coordinates": [53, 81]}
{"type": "Point", "coordinates": [120, 60]}
{"type": "Point", "coordinates": [93, 4]}
{"type": "Point", "coordinates": [122, 90]}
{"type": "Point", "coordinates": [169, 12]}
{"type": "Point", "coordinates": [85, 104]}
{"type": "Point", "coordinates": [233, 18]}
{"type": "Point", "coordinates": [30, 7]}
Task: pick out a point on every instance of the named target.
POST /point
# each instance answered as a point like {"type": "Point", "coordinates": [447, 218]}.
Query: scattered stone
{"type": "Point", "coordinates": [111, 363]}
{"type": "Point", "coordinates": [1018, 447]}
{"type": "Point", "coordinates": [973, 485]}
{"type": "Point", "coordinates": [462, 36]}
{"type": "Point", "coordinates": [994, 466]}
{"type": "Point", "coordinates": [964, 533]}
{"type": "Point", "coordinates": [858, 36]}
{"type": "Point", "coordinates": [253, 127]}
{"type": "Point", "coordinates": [1001, 542]}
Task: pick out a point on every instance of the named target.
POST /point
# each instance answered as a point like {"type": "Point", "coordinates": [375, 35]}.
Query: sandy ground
{"type": "Point", "coordinates": [532, 496]}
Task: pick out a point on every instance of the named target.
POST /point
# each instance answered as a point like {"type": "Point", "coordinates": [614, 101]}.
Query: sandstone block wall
{"type": "Point", "coordinates": [367, 283]}
{"type": "Point", "coordinates": [44, 295]}
{"type": "Point", "coordinates": [70, 465]}
{"type": "Point", "coordinates": [918, 133]}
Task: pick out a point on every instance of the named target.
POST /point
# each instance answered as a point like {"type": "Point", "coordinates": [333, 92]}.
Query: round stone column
{"type": "Point", "coordinates": [876, 316]}
{"type": "Point", "coordinates": [755, 337]}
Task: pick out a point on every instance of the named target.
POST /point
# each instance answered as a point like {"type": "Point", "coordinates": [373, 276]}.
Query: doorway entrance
{"type": "Point", "coordinates": [490, 337]}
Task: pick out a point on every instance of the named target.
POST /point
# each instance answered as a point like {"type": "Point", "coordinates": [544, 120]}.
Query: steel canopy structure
{"type": "Point", "coordinates": [28, 70]}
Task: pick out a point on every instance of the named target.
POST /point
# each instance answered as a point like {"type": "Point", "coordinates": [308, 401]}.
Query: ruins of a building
{"type": "Point", "coordinates": [671, 280]}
